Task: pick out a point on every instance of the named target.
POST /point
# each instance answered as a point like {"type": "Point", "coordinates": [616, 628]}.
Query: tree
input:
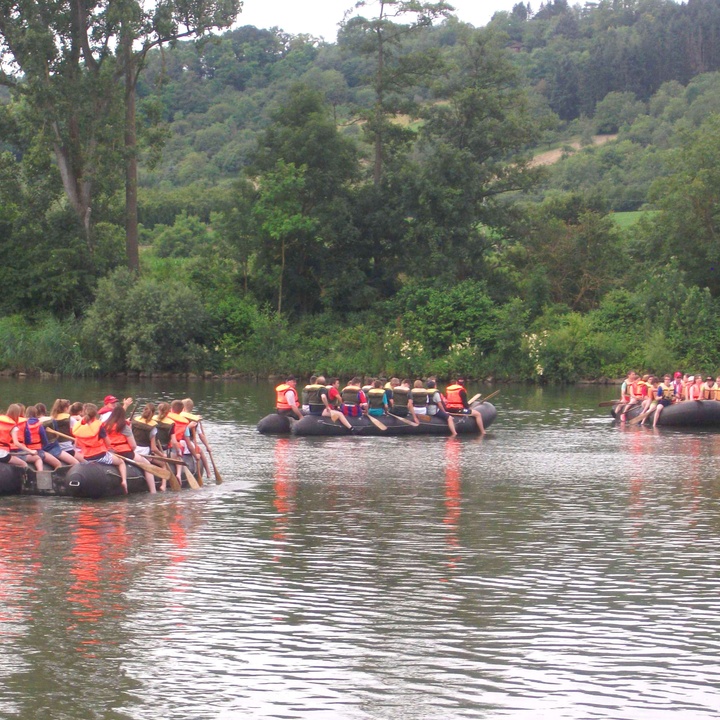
{"type": "Point", "coordinates": [688, 224]}
{"type": "Point", "coordinates": [76, 64]}
{"type": "Point", "coordinates": [395, 70]}
{"type": "Point", "coordinates": [467, 159]}
{"type": "Point", "coordinates": [280, 216]}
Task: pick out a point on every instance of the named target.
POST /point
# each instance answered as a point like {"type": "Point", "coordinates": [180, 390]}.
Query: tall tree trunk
{"type": "Point", "coordinates": [131, 206]}
{"type": "Point", "coordinates": [282, 273]}
{"type": "Point", "coordinates": [379, 118]}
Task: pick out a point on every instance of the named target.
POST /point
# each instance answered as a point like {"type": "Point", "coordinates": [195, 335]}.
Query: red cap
{"type": "Point", "coordinates": [109, 399]}
{"type": "Point", "coordinates": [678, 374]}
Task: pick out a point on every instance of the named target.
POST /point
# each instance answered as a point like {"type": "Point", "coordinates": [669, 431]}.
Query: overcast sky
{"type": "Point", "coordinates": [320, 17]}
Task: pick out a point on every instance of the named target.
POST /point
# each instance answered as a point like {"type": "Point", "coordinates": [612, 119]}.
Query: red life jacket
{"type": "Point", "coordinates": [88, 438]}
{"type": "Point", "coordinates": [33, 430]}
{"type": "Point", "coordinates": [281, 402]}
{"type": "Point", "coordinates": [6, 426]}
{"type": "Point", "coordinates": [453, 400]}
{"type": "Point", "coordinates": [118, 442]}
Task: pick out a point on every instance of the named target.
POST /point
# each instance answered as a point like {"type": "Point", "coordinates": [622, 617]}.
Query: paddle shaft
{"type": "Point", "coordinates": [218, 476]}
{"type": "Point", "coordinates": [491, 395]}
{"type": "Point", "coordinates": [406, 421]}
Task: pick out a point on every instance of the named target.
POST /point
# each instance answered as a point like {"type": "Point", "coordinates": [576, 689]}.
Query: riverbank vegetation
{"type": "Point", "coordinates": [373, 205]}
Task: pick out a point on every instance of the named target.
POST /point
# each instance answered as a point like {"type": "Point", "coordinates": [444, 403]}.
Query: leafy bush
{"type": "Point", "coordinates": [143, 325]}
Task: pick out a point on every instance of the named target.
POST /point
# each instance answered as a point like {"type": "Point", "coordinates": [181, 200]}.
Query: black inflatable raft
{"type": "Point", "coordinates": [275, 424]}
{"type": "Point", "coordinates": [87, 480]}
{"type": "Point", "coordinates": [691, 413]}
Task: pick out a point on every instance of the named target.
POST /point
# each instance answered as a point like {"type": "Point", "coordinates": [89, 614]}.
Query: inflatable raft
{"type": "Point", "coordinates": [275, 424]}
{"type": "Point", "coordinates": [691, 413]}
{"type": "Point", "coordinates": [87, 480]}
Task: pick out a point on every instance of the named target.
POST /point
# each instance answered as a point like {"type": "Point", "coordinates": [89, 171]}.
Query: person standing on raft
{"type": "Point", "coordinates": [286, 400]}
{"type": "Point", "coordinates": [456, 402]}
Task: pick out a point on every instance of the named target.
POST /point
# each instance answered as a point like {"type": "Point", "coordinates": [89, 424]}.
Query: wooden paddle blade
{"type": "Point", "coordinates": [641, 417]}
{"type": "Point", "coordinates": [475, 398]}
{"type": "Point", "coordinates": [218, 476]}
{"type": "Point", "coordinates": [191, 481]}
{"type": "Point", "coordinates": [174, 483]}
{"type": "Point", "coordinates": [379, 425]}
{"type": "Point", "coordinates": [162, 473]}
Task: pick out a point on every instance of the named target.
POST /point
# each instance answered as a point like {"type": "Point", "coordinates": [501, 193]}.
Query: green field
{"type": "Point", "coordinates": [626, 219]}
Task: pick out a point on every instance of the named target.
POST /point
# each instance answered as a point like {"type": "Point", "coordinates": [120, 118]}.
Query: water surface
{"type": "Point", "coordinates": [560, 567]}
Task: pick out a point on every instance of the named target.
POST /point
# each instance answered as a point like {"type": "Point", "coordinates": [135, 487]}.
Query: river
{"type": "Point", "coordinates": [560, 567]}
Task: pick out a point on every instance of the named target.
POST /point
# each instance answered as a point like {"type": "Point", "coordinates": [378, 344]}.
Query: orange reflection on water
{"type": "Point", "coordinates": [453, 500]}
{"type": "Point", "coordinates": [285, 489]}
{"type": "Point", "coordinates": [100, 545]}
{"type": "Point", "coordinates": [20, 536]}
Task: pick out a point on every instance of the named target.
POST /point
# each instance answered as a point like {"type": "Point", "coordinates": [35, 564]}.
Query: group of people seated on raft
{"type": "Point", "coordinates": [654, 396]}
{"type": "Point", "coordinates": [75, 432]}
{"type": "Point", "coordinates": [375, 399]}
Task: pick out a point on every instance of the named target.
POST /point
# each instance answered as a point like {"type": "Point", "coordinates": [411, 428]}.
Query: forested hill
{"type": "Point", "coordinates": [216, 96]}
{"type": "Point", "coordinates": [373, 205]}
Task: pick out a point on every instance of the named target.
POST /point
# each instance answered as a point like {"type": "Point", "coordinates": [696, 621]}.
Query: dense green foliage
{"type": "Point", "coordinates": [372, 205]}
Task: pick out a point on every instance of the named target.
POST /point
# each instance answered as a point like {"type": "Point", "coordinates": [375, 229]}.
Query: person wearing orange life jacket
{"type": "Point", "coordinates": [436, 406]}
{"type": "Point", "coordinates": [182, 430]}
{"type": "Point", "coordinates": [456, 402]}
{"type": "Point", "coordinates": [165, 437]}
{"type": "Point", "coordinates": [17, 436]}
{"type": "Point", "coordinates": [286, 398]}
{"type": "Point", "coordinates": [91, 437]}
{"type": "Point", "coordinates": [197, 432]}
{"type": "Point", "coordinates": [630, 393]}
{"type": "Point", "coordinates": [35, 438]}
{"type": "Point", "coordinates": [122, 442]}
{"type": "Point", "coordinates": [7, 425]}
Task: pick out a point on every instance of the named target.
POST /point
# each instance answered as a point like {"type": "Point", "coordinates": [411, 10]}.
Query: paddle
{"type": "Point", "coordinates": [377, 423]}
{"type": "Point", "coordinates": [491, 395]}
{"type": "Point", "coordinates": [162, 473]}
{"type": "Point", "coordinates": [641, 417]}
{"type": "Point", "coordinates": [191, 480]}
{"type": "Point", "coordinates": [218, 476]}
{"type": "Point", "coordinates": [474, 398]}
{"type": "Point", "coordinates": [406, 421]}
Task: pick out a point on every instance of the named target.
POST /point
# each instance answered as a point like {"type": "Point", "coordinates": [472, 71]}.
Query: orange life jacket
{"type": "Point", "coordinates": [118, 442]}
{"type": "Point", "coordinates": [281, 402]}
{"type": "Point", "coordinates": [33, 429]}
{"type": "Point", "coordinates": [453, 400]}
{"type": "Point", "coordinates": [181, 423]}
{"type": "Point", "coordinates": [6, 426]}
{"type": "Point", "coordinates": [88, 438]}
